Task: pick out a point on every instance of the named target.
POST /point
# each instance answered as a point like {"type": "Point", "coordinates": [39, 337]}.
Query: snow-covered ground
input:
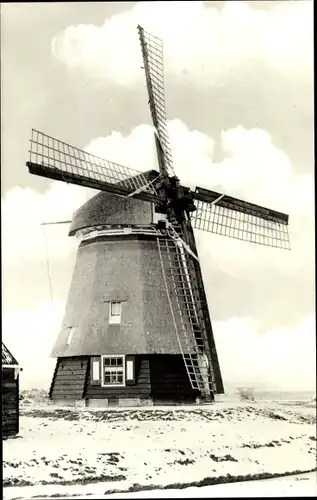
{"type": "Point", "coordinates": [63, 451]}
{"type": "Point", "coordinates": [301, 485]}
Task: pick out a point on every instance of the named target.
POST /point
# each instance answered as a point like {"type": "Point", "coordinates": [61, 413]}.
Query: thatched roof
{"type": "Point", "coordinates": [106, 208]}
{"type": "Point", "coordinates": [7, 357]}
{"type": "Point", "coordinates": [128, 269]}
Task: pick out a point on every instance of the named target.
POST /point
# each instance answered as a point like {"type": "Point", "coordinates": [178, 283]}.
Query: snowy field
{"type": "Point", "coordinates": [301, 485]}
{"type": "Point", "coordinates": [68, 451]}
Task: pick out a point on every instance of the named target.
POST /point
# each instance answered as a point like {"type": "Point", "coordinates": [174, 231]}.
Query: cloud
{"type": "Point", "coordinates": [252, 165]}
{"type": "Point", "coordinates": [126, 151]}
{"type": "Point", "coordinates": [201, 43]}
{"type": "Point", "coordinates": [30, 334]}
{"type": "Point", "coordinates": [282, 358]}
{"type": "Point", "coordinates": [23, 211]}
{"type": "Point", "coordinates": [253, 169]}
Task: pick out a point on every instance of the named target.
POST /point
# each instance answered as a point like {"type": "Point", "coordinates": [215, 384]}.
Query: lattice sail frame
{"type": "Point", "coordinates": [224, 221]}
{"type": "Point", "coordinates": [152, 51]}
{"type": "Point", "coordinates": [53, 158]}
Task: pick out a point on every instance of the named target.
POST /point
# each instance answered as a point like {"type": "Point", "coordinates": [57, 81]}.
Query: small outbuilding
{"type": "Point", "coordinates": [10, 394]}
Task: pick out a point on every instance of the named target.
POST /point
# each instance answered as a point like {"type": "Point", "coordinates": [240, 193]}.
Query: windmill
{"type": "Point", "coordinates": [137, 328]}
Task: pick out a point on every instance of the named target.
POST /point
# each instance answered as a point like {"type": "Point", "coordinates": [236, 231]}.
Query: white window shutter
{"type": "Point", "coordinates": [95, 370]}
{"type": "Point", "coordinates": [130, 370]}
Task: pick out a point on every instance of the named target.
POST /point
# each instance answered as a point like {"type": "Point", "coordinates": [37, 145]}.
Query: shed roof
{"type": "Point", "coordinates": [106, 208]}
{"type": "Point", "coordinates": [7, 357]}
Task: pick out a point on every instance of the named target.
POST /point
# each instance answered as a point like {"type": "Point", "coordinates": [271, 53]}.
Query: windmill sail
{"type": "Point", "coordinates": [152, 52]}
{"type": "Point", "coordinates": [228, 216]}
{"type": "Point", "coordinates": [57, 160]}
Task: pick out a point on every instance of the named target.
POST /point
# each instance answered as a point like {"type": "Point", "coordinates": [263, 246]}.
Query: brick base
{"type": "Point", "coordinates": [122, 402]}
{"type": "Point", "coordinates": [78, 403]}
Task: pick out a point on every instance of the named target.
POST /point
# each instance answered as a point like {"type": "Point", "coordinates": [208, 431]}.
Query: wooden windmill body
{"type": "Point", "coordinates": [137, 328]}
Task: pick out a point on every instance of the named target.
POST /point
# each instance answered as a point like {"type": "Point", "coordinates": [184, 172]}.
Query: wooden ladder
{"type": "Point", "coordinates": [191, 335]}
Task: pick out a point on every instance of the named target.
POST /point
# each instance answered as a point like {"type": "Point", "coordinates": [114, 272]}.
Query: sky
{"type": "Point", "coordinates": [239, 98]}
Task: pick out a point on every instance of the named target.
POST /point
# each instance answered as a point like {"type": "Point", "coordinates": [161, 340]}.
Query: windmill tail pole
{"type": "Point", "coordinates": [48, 266]}
{"type": "Point", "coordinates": [56, 222]}
{"type": "Point", "coordinates": [46, 253]}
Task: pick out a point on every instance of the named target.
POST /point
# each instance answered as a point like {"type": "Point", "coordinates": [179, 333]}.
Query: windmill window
{"type": "Point", "coordinates": [70, 335]}
{"type": "Point", "coordinates": [113, 373]}
{"type": "Point", "coordinates": [115, 313]}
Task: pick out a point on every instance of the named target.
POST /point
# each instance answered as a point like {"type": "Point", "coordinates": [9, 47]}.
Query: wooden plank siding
{"type": "Point", "coordinates": [69, 378]}
{"type": "Point", "coordinates": [141, 388]}
{"type": "Point", "coordinates": [53, 380]}
{"type": "Point", "coordinates": [10, 403]}
{"type": "Point", "coordinates": [161, 378]}
{"type": "Point", "coordinates": [169, 379]}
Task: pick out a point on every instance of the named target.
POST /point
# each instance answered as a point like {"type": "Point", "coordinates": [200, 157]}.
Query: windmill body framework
{"type": "Point", "coordinates": [137, 323]}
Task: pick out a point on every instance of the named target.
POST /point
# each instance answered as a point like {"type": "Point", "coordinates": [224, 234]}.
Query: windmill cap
{"type": "Point", "coordinates": [107, 208]}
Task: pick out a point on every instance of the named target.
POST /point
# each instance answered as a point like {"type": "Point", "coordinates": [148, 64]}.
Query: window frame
{"type": "Point", "coordinates": [115, 319]}
{"type": "Point", "coordinates": [109, 356]}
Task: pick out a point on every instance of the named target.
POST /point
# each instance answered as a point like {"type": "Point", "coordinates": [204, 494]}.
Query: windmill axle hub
{"type": "Point", "coordinates": [177, 199]}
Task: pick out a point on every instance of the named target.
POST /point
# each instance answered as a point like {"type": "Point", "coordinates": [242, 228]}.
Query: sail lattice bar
{"type": "Point", "coordinates": [228, 216]}
{"type": "Point", "coordinates": [152, 51]}
{"type": "Point", "coordinates": [52, 158]}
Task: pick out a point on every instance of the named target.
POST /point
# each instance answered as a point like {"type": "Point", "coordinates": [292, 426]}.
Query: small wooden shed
{"type": "Point", "coordinates": [10, 394]}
